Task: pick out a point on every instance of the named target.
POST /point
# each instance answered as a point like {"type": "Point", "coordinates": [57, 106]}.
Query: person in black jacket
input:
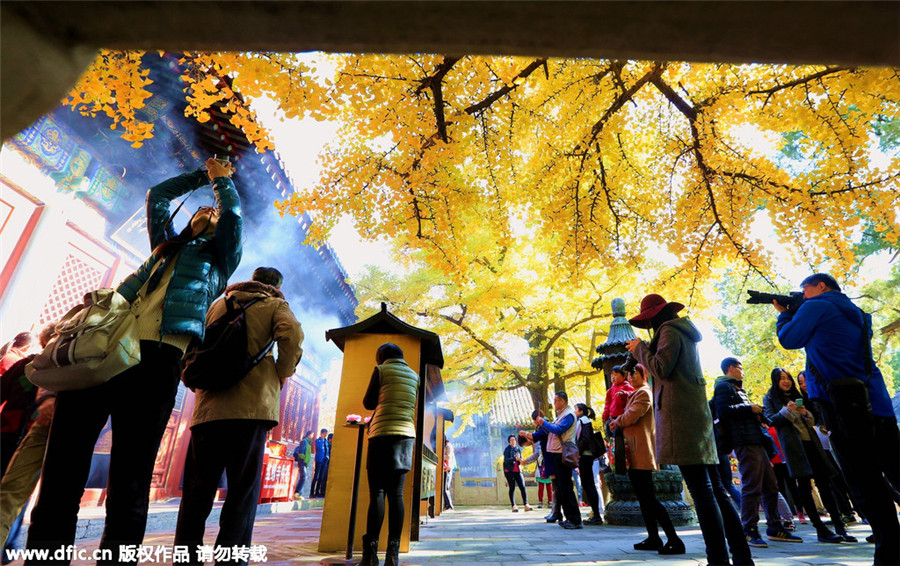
{"type": "Point", "coordinates": [512, 469]}
{"type": "Point", "coordinates": [803, 453]}
{"type": "Point", "coordinates": [589, 449]}
{"type": "Point", "coordinates": [744, 420]}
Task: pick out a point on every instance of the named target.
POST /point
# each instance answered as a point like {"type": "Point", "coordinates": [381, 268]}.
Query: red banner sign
{"type": "Point", "coordinates": [277, 479]}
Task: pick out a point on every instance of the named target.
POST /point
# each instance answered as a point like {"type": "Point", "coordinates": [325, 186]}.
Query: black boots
{"type": "Point", "coordinates": [392, 557]}
{"type": "Point", "coordinates": [370, 551]}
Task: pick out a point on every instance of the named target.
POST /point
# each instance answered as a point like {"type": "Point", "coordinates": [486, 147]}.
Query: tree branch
{"type": "Point", "coordinates": [796, 82]}
{"type": "Point", "coordinates": [498, 94]}
{"type": "Point", "coordinates": [691, 114]}
{"type": "Point", "coordinates": [487, 347]}
{"type": "Point", "coordinates": [434, 82]}
{"type": "Point", "coordinates": [561, 331]}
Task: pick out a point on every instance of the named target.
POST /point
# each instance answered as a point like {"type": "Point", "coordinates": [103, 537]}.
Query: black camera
{"type": "Point", "coordinates": [791, 302]}
{"type": "Point", "coordinates": [629, 365]}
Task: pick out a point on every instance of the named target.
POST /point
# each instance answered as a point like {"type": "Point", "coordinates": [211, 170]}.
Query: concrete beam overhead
{"type": "Point", "coordinates": [45, 44]}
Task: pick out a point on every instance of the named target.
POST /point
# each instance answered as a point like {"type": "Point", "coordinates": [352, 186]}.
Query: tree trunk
{"type": "Point", "coordinates": [538, 370]}
{"type": "Point", "coordinates": [559, 384]}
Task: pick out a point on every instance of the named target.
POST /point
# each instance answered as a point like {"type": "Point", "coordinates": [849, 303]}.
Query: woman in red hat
{"type": "Point", "coordinates": [684, 433]}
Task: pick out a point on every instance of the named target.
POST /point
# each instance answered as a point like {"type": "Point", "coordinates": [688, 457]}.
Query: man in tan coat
{"type": "Point", "coordinates": [229, 427]}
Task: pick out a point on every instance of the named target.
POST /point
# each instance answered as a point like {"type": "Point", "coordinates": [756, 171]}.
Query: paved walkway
{"type": "Point", "coordinates": [495, 537]}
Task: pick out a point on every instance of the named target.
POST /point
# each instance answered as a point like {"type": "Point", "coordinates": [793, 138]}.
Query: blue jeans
{"type": "Point", "coordinates": [301, 478]}
{"type": "Point", "coordinates": [717, 516]}
{"type": "Point", "coordinates": [566, 489]}
{"type": "Point", "coordinates": [724, 469]}
{"type": "Point", "coordinates": [13, 536]}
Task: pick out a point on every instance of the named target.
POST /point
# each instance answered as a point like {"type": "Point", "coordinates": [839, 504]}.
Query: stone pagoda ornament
{"type": "Point", "coordinates": [622, 507]}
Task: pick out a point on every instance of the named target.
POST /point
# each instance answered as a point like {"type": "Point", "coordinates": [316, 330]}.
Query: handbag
{"type": "Point", "coordinates": [95, 341]}
{"type": "Point", "coordinates": [597, 444]}
{"type": "Point", "coordinates": [570, 454]}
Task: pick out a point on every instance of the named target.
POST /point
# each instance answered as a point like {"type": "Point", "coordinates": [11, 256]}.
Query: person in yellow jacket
{"type": "Point", "coordinates": [229, 427]}
{"type": "Point", "coordinates": [392, 395]}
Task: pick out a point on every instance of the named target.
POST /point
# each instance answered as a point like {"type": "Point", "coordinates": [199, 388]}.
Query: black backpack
{"type": "Point", "coordinates": [221, 361]}
{"type": "Point", "coordinates": [597, 444]}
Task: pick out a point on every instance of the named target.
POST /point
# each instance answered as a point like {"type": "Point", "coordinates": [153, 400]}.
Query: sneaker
{"type": "Point", "coordinates": [847, 537]}
{"type": "Point", "coordinates": [825, 535]}
{"type": "Point", "coordinates": [788, 525]}
{"type": "Point", "coordinates": [570, 526]}
{"type": "Point", "coordinates": [515, 509]}
{"type": "Point", "coordinates": [870, 539]}
{"type": "Point", "coordinates": [756, 541]}
{"type": "Point", "coordinates": [598, 520]}
{"type": "Point", "coordinates": [540, 505]}
{"type": "Point", "coordinates": [781, 535]}
{"type": "Point", "coordinates": [849, 519]}
{"type": "Point", "coordinates": [801, 518]}
{"type": "Point", "coordinates": [529, 507]}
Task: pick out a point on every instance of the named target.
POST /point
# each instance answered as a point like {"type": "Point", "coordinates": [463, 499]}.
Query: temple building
{"type": "Point", "coordinates": [72, 219]}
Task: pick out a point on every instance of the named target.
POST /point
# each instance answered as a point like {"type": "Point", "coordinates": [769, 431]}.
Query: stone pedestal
{"type": "Point", "coordinates": [623, 508]}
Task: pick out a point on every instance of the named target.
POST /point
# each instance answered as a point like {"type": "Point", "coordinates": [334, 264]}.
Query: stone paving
{"type": "Point", "coordinates": [492, 536]}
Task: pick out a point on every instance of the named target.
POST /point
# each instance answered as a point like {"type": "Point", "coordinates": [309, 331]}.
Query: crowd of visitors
{"type": "Point", "coordinates": [832, 434]}
{"type": "Point", "coordinates": [827, 440]}
{"type": "Point", "coordinates": [171, 297]}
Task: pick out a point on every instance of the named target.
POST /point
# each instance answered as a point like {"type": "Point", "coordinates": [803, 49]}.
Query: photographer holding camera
{"type": "Point", "coordinates": [743, 421]}
{"type": "Point", "coordinates": [849, 393]}
{"type": "Point", "coordinates": [170, 294]}
{"type": "Point", "coordinates": [684, 428]}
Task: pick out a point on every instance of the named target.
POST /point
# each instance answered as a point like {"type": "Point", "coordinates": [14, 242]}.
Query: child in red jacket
{"type": "Point", "coordinates": [616, 398]}
{"type": "Point", "coordinates": [617, 395]}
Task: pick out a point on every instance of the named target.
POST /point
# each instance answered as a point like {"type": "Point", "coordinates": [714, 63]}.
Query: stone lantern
{"type": "Point", "coordinates": [623, 507]}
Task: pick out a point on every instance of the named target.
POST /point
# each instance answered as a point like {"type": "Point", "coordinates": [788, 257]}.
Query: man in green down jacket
{"type": "Point", "coordinates": [392, 394]}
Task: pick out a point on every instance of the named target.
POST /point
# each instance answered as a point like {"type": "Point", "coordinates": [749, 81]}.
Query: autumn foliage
{"type": "Point", "coordinates": [522, 189]}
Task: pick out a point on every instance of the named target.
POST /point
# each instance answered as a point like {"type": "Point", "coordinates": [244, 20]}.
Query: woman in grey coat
{"type": "Point", "coordinates": [684, 433]}
{"type": "Point", "coordinates": [803, 453]}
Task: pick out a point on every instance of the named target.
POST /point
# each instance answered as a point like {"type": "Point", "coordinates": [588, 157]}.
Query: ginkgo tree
{"type": "Point", "coordinates": [549, 183]}
{"type": "Point", "coordinates": [515, 322]}
{"type": "Point", "coordinates": [607, 158]}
